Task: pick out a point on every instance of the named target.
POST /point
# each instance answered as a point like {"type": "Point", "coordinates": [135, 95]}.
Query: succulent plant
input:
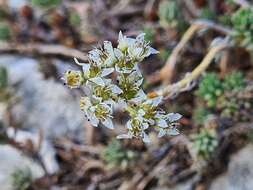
{"type": "Point", "coordinates": [210, 88]}
{"type": "Point", "coordinates": [234, 81]}
{"type": "Point", "coordinates": [237, 104]}
{"type": "Point", "coordinates": [242, 21]}
{"type": "Point", "coordinates": [204, 143]}
{"type": "Point", "coordinates": [116, 156]}
{"type": "Point", "coordinates": [21, 179]}
{"type": "Point", "coordinates": [200, 115]}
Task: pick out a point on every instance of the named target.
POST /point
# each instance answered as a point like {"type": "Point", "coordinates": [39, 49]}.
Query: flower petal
{"type": "Point", "coordinates": [173, 132]}
{"type": "Point", "coordinates": [108, 123]}
{"type": "Point", "coordinates": [173, 117]}
{"type": "Point", "coordinates": [145, 138]}
{"type": "Point", "coordinates": [99, 81]}
{"type": "Point", "coordinates": [93, 120]}
{"type": "Point", "coordinates": [162, 123]}
{"type": "Point", "coordinates": [106, 71]}
{"type": "Point", "coordinates": [157, 100]}
{"type": "Point", "coordinates": [116, 89]}
{"type": "Point", "coordinates": [124, 136]}
{"type": "Point", "coordinates": [161, 133]}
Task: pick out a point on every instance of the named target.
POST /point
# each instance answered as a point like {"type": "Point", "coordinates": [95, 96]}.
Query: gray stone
{"type": "Point", "coordinates": [240, 172]}
{"type": "Point", "coordinates": [44, 104]}
{"type": "Point", "coordinates": [46, 150]}
{"type": "Point", "coordinates": [11, 160]}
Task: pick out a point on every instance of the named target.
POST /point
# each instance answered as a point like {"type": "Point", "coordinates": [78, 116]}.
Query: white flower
{"type": "Point", "coordinates": [136, 128]}
{"type": "Point", "coordinates": [96, 112]}
{"type": "Point", "coordinates": [169, 127]}
{"type": "Point", "coordinates": [130, 85]}
{"type": "Point", "coordinates": [139, 49]}
{"type": "Point", "coordinates": [94, 74]}
{"type": "Point", "coordinates": [73, 79]}
{"type": "Point", "coordinates": [168, 131]}
{"type": "Point", "coordinates": [107, 92]}
{"type": "Point", "coordinates": [111, 58]}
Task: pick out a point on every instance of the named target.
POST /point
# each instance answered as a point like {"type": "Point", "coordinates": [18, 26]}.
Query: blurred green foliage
{"type": "Point", "coordinates": [206, 13]}
{"type": "Point", "coordinates": [204, 143]}
{"type": "Point", "coordinates": [74, 19]}
{"type": "Point", "coordinates": [116, 156]}
{"type": "Point", "coordinates": [164, 54]}
{"type": "Point", "coordinates": [231, 97]}
{"type": "Point", "coordinates": [242, 21]}
{"type": "Point", "coordinates": [21, 179]}
{"type": "Point", "coordinates": [170, 15]}
{"type": "Point", "coordinates": [3, 78]}
{"type": "Point", "coordinates": [200, 115]}
{"type": "Point", "coordinates": [5, 33]}
{"type": "Point", "coordinates": [149, 34]}
{"type": "Point", "coordinates": [234, 81]}
{"type": "Point", "coordinates": [46, 3]}
{"type": "Point", "coordinates": [210, 88]}
{"type": "Point", "coordinates": [237, 104]}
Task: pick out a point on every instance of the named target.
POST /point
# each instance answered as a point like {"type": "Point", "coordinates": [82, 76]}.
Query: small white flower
{"type": "Point", "coordinates": [108, 92]}
{"type": "Point", "coordinates": [94, 74]}
{"type": "Point", "coordinates": [171, 123]}
{"type": "Point", "coordinates": [97, 111]}
{"type": "Point", "coordinates": [172, 117]}
{"type": "Point", "coordinates": [130, 85]}
{"type": "Point", "coordinates": [139, 49]}
{"type": "Point", "coordinates": [73, 79]}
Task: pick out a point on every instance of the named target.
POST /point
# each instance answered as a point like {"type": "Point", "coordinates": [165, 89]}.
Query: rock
{"type": "Point", "coordinates": [44, 104]}
{"type": "Point", "coordinates": [11, 160]}
{"type": "Point", "coordinates": [46, 150]}
{"type": "Point", "coordinates": [240, 172]}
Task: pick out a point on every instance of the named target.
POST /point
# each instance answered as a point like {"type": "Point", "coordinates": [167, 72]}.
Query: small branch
{"type": "Point", "coordinates": [166, 73]}
{"type": "Point", "coordinates": [42, 49]}
{"type": "Point", "coordinates": [165, 92]}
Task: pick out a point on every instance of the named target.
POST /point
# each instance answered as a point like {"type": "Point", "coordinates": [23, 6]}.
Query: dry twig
{"type": "Point", "coordinates": [42, 49]}
{"type": "Point", "coordinates": [166, 73]}
{"type": "Point", "coordinates": [178, 86]}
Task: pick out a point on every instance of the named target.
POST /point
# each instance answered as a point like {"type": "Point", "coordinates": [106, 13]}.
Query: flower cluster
{"type": "Point", "coordinates": [120, 64]}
